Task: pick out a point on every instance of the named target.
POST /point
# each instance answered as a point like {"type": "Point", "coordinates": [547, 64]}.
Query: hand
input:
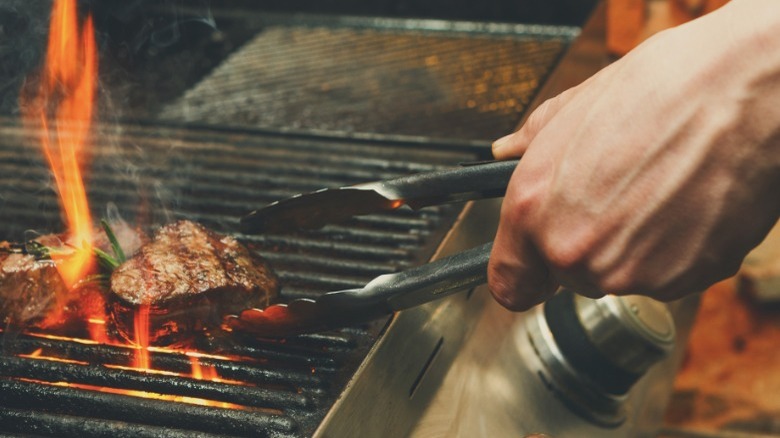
{"type": "Point", "coordinates": [656, 176]}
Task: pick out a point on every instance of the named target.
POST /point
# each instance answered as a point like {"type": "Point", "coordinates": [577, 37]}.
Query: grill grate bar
{"type": "Point", "coordinates": [73, 401]}
{"type": "Point", "coordinates": [331, 264]}
{"type": "Point", "coordinates": [244, 395]}
{"type": "Point", "coordinates": [291, 383]}
{"type": "Point", "coordinates": [233, 149]}
{"type": "Point", "coordinates": [46, 424]}
{"type": "Point", "coordinates": [261, 370]}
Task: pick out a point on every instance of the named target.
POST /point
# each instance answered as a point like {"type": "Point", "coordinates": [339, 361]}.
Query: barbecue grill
{"type": "Point", "coordinates": [290, 111]}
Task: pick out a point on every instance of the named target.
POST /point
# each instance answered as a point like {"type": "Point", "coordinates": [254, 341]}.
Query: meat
{"type": "Point", "coordinates": [190, 278]}
{"type": "Point", "coordinates": [29, 288]}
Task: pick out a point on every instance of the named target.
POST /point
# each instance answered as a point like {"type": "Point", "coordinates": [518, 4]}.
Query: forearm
{"type": "Point", "coordinates": [752, 59]}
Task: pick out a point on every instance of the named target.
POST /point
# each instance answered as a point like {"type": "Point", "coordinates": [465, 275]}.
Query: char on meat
{"type": "Point", "coordinates": [191, 278]}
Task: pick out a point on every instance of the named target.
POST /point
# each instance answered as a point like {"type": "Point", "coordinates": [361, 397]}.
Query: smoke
{"type": "Point", "coordinates": [23, 25]}
{"type": "Point", "coordinates": [145, 28]}
{"type": "Point", "coordinates": [146, 57]}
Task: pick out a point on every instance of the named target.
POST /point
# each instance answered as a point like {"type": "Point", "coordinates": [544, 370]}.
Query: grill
{"type": "Point", "coordinates": [198, 158]}
{"type": "Point", "coordinates": [213, 177]}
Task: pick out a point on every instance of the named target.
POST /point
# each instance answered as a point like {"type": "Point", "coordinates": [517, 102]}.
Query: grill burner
{"type": "Point", "coordinates": [213, 177]}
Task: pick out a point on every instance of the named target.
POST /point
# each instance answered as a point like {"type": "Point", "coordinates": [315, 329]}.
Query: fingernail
{"type": "Point", "coordinates": [502, 142]}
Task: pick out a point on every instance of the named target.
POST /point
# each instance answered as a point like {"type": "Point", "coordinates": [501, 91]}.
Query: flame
{"type": "Point", "coordinates": [203, 372]}
{"type": "Point", "coordinates": [63, 108]}
{"type": "Point", "coordinates": [141, 328]}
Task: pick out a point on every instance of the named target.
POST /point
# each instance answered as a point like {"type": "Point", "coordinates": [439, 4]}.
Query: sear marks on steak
{"type": "Point", "coordinates": [185, 259]}
{"type": "Point", "coordinates": [191, 278]}
{"type": "Point", "coordinates": [29, 288]}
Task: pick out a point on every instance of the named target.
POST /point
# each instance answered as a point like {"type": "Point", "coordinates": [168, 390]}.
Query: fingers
{"type": "Point", "coordinates": [517, 275]}
{"type": "Point", "coordinates": [514, 145]}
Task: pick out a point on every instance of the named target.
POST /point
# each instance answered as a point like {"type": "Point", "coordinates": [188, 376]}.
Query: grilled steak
{"type": "Point", "coordinates": [190, 278]}
{"type": "Point", "coordinates": [29, 288]}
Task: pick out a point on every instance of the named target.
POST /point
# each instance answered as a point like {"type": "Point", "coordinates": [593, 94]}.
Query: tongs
{"type": "Point", "coordinates": [390, 292]}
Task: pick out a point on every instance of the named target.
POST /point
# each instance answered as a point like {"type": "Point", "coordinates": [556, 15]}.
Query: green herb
{"type": "Point", "coordinates": [118, 253]}
{"type": "Point", "coordinates": [38, 250]}
{"type": "Point", "coordinates": [105, 259]}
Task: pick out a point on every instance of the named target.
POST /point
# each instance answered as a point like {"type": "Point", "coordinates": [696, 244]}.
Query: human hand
{"type": "Point", "coordinates": [656, 176]}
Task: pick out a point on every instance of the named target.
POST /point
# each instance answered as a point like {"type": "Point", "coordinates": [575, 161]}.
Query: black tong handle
{"type": "Point", "coordinates": [405, 289]}
{"type": "Point", "coordinates": [478, 181]}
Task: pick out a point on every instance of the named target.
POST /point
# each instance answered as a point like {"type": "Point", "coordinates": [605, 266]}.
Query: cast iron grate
{"type": "Point", "coordinates": [458, 80]}
{"type": "Point", "coordinates": [155, 174]}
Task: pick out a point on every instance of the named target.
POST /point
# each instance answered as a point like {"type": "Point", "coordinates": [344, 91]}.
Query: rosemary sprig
{"type": "Point", "coordinates": [106, 260]}
{"type": "Point", "coordinates": [37, 250]}
{"type": "Point", "coordinates": [115, 247]}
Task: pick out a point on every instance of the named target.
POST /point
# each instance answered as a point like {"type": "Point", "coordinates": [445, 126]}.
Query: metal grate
{"type": "Point", "coordinates": [413, 77]}
{"type": "Point", "coordinates": [157, 174]}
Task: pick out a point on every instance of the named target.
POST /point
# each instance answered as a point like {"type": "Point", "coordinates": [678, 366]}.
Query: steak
{"type": "Point", "coordinates": [29, 288]}
{"type": "Point", "coordinates": [190, 278]}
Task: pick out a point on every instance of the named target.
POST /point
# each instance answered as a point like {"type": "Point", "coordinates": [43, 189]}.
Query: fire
{"type": "Point", "coordinates": [203, 372]}
{"type": "Point", "coordinates": [141, 328]}
{"type": "Point", "coordinates": [63, 109]}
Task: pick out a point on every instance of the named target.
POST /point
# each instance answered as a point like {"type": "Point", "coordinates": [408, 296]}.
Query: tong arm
{"type": "Point", "coordinates": [469, 182]}
{"type": "Point", "coordinates": [381, 296]}
{"type": "Point", "coordinates": [433, 280]}
{"type": "Point", "coordinates": [316, 209]}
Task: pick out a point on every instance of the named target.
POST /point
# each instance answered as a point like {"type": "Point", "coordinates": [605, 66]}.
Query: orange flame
{"type": "Point", "coordinates": [203, 372]}
{"type": "Point", "coordinates": [141, 328]}
{"type": "Point", "coordinates": [63, 108]}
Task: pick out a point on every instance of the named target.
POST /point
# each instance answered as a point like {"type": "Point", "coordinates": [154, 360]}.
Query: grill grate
{"type": "Point", "coordinates": [410, 77]}
{"type": "Point", "coordinates": [158, 174]}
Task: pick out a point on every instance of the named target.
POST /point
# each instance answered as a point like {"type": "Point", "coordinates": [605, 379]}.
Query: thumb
{"type": "Point", "coordinates": [514, 145]}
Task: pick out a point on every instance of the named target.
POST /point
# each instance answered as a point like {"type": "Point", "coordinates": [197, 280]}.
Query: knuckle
{"type": "Point", "coordinates": [562, 253]}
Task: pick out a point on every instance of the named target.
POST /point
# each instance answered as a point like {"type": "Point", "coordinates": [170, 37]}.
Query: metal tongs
{"type": "Point", "coordinates": [386, 293]}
